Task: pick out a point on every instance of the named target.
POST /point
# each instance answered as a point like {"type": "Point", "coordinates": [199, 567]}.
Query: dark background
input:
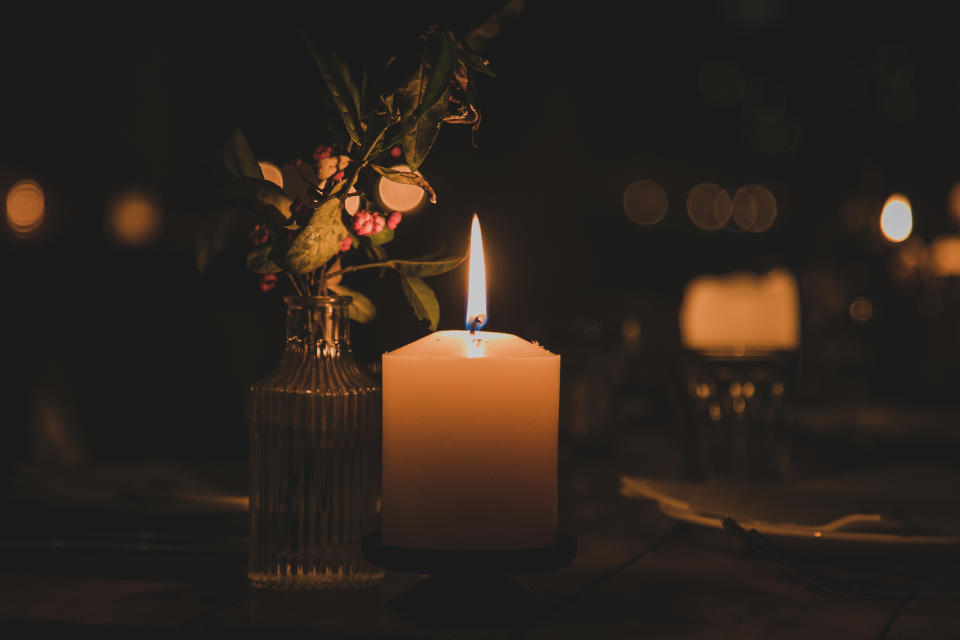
{"type": "Point", "coordinates": [137, 355]}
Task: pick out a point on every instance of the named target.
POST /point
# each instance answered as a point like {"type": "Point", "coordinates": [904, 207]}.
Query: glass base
{"type": "Point", "coordinates": [315, 581]}
{"type": "Point", "coordinates": [736, 425]}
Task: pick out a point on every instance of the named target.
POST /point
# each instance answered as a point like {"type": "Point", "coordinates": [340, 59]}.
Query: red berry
{"type": "Point", "coordinates": [267, 282]}
{"type": "Point", "coordinates": [363, 223]}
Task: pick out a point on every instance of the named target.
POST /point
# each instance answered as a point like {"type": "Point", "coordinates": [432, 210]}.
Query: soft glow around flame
{"type": "Point", "coordinates": [477, 283]}
{"type": "Point", "coordinates": [896, 221]}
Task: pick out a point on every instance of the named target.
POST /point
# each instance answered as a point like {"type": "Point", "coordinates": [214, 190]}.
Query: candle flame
{"type": "Point", "coordinates": [896, 220]}
{"type": "Point", "coordinates": [477, 283]}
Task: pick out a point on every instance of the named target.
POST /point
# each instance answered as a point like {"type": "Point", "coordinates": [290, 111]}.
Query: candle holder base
{"type": "Point", "coordinates": [471, 585]}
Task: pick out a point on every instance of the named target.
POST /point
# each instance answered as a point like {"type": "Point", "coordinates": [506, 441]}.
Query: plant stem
{"type": "Point", "coordinates": [322, 289]}
{"type": "Point", "coordinates": [293, 281]}
{"type": "Point", "coordinates": [371, 265]}
{"type": "Point", "coordinates": [373, 145]}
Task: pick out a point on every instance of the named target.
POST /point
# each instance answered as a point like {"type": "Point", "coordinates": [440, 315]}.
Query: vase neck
{"type": "Point", "coordinates": [318, 326]}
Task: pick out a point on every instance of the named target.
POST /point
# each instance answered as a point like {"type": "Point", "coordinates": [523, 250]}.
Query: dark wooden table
{"type": "Point", "coordinates": [637, 574]}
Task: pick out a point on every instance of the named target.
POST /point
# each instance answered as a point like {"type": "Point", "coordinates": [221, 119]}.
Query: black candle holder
{"type": "Point", "coordinates": [469, 585]}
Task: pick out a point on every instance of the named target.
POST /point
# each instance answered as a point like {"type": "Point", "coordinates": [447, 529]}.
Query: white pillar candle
{"type": "Point", "coordinates": [470, 439]}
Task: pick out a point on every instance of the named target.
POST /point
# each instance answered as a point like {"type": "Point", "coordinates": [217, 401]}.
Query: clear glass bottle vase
{"type": "Point", "coordinates": [315, 434]}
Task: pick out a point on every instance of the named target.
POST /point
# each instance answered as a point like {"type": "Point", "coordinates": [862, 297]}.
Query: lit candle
{"type": "Point", "coordinates": [470, 436]}
{"type": "Point", "coordinates": [741, 313]}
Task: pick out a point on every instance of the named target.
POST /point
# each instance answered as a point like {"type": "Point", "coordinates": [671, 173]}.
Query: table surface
{"type": "Point", "coordinates": [637, 574]}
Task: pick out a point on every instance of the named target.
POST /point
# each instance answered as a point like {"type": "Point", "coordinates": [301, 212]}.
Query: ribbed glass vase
{"type": "Point", "coordinates": [314, 456]}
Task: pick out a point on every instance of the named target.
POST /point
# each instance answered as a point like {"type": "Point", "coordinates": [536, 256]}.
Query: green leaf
{"type": "Point", "coordinates": [239, 157]}
{"type": "Point", "coordinates": [213, 238]}
{"type": "Point", "coordinates": [440, 73]}
{"type": "Point", "coordinates": [320, 239]}
{"type": "Point", "coordinates": [422, 299]}
{"type": "Point", "coordinates": [342, 88]}
{"type": "Point", "coordinates": [410, 95]}
{"type": "Point", "coordinates": [273, 205]}
{"type": "Point", "coordinates": [259, 260]}
{"type": "Point", "coordinates": [490, 28]}
{"type": "Point", "coordinates": [377, 253]}
{"type": "Point", "coordinates": [361, 307]}
{"type": "Point", "coordinates": [407, 177]}
{"type": "Point", "coordinates": [418, 137]}
{"type": "Point", "coordinates": [474, 60]}
{"type": "Point", "coordinates": [384, 236]}
{"type": "Point", "coordinates": [421, 268]}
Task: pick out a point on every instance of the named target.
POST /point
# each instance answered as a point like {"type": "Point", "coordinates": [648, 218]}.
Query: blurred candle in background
{"type": "Point", "coordinates": [741, 313]}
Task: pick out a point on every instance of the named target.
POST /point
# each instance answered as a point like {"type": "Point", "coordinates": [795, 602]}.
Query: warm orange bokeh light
{"type": "Point", "coordinates": [861, 310]}
{"type": "Point", "coordinates": [896, 221]}
{"type": "Point", "coordinates": [477, 280]}
{"type": "Point", "coordinates": [645, 202]}
{"type": "Point", "coordinates": [766, 207]}
{"type": "Point", "coordinates": [400, 197]}
{"type": "Point", "coordinates": [944, 256]}
{"type": "Point", "coordinates": [953, 202]}
{"type": "Point", "coordinates": [754, 208]}
{"type": "Point", "coordinates": [709, 206]}
{"type": "Point", "coordinates": [25, 207]}
{"type": "Point", "coordinates": [134, 219]}
{"type": "Point", "coordinates": [739, 313]}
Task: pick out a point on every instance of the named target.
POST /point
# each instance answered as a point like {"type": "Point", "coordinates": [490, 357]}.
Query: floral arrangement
{"type": "Point", "coordinates": [322, 225]}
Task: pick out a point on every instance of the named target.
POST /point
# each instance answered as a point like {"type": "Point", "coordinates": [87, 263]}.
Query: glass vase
{"type": "Point", "coordinates": [315, 447]}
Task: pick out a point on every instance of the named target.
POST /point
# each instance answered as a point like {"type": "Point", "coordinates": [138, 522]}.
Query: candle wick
{"type": "Point", "coordinates": [476, 322]}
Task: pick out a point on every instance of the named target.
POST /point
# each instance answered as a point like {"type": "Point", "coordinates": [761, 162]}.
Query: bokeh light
{"type": "Point", "coordinates": [134, 219]}
{"type": "Point", "coordinates": [910, 257]}
{"type": "Point", "coordinates": [953, 202]}
{"type": "Point", "coordinates": [709, 206]}
{"type": "Point", "coordinates": [631, 331]}
{"type": "Point", "coordinates": [896, 220]}
{"type": "Point", "coordinates": [645, 202]}
{"type": "Point", "coordinates": [861, 310]}
{"type": "Point", "coordinates": [25, 207]}
{"type": "Point", "coordinates": [744, 209]}
{"type": "Point", "coordinates": [272, 173]}
{"type": "Point", "coordinates": [944, 256]}
{"type": "Point", "coordinates": [404, 198]}
{"type": "Point", "coordinates": [766, 207]}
